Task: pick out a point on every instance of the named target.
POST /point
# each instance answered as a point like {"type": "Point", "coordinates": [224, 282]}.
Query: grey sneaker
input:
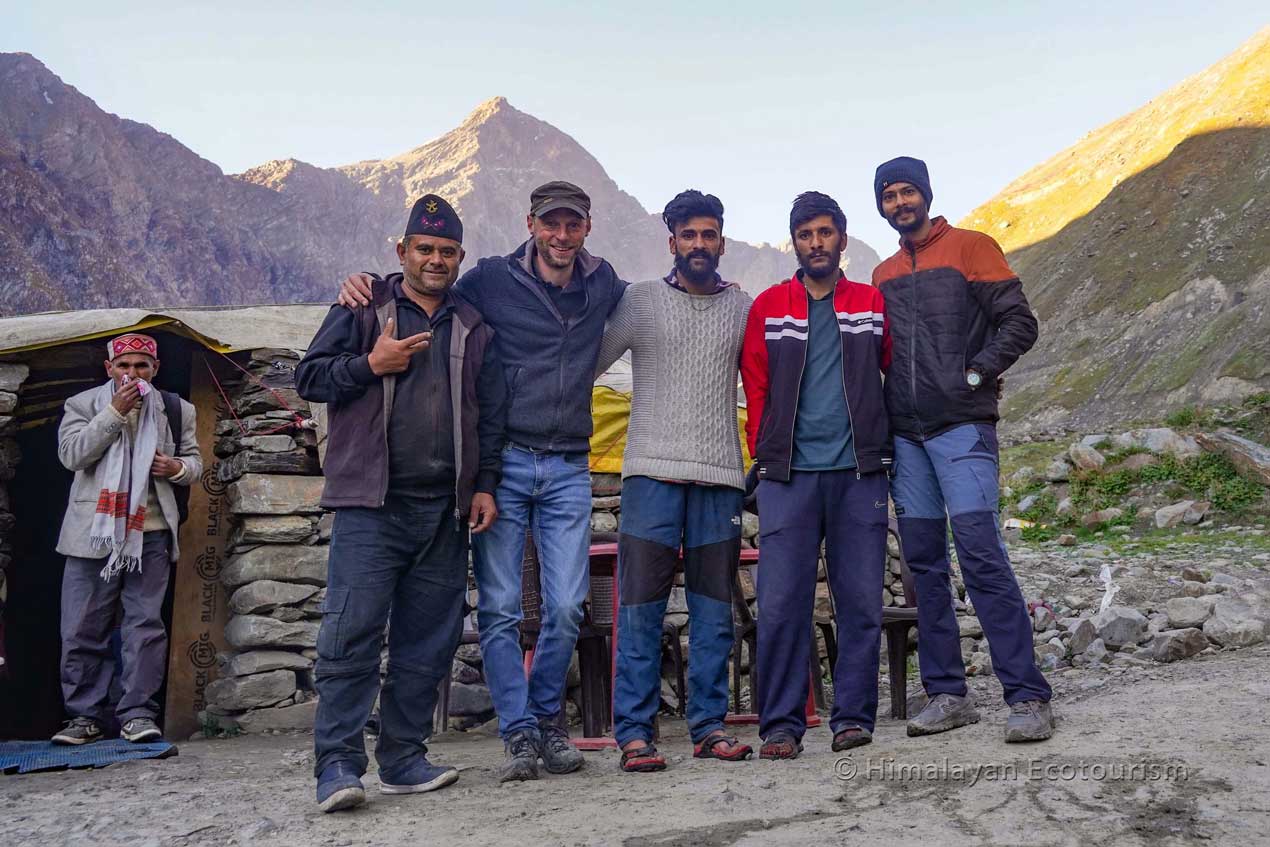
{"type": "Point", "coordinates": [139, 730]}
{"type": "Point", "coordinates": [522, 757]}
{"type": "Point", "coordinates": [78, 731]}
{"type": "Point", "coordinates": [942, 713]}
{"type": "Point", "coordinates": [558, 753]}
{"type": "Point", "coordinates": [1031, 720]}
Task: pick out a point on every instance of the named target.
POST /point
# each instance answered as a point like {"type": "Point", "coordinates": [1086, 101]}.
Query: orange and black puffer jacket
{"type": "Point", "coordinates": [953, 304]}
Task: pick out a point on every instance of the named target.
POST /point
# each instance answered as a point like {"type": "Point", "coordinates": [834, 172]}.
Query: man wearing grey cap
{"type": "Point", "coordinates": [547, 302]}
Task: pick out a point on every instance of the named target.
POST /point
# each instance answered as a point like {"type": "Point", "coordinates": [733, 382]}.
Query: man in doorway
{"type": "Point", "coordinates": [417, 409]}
{"type": "Point", "coordinates": [682, 481]}
{"type": "Point", "coordinates": [815, 349]}
{"type": "Point", "coordinates": [959, 319]}
{"type": "Point", "coordinates": [548, 302]}
{"type": "Point", "coordinates": [119, 536]}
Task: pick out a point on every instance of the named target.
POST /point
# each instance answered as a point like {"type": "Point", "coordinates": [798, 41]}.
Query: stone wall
{"type": "Point", "coordinates": [275, 566]}
{"type": "Point", "coordinates": [11, 378]}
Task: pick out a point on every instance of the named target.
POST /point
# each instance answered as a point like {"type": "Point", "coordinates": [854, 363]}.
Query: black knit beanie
{"type": "Point", "coordinates": [902, 169]}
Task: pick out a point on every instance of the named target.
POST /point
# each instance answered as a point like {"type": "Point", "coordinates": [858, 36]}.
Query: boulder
{"type": "Point", "coordinates": [1163, 440]}
{"type": "Point", "coordinates": [279, 562]}
{"type": "Point", "coordinates": [274, 529]}
{"type": "Point", "coordinates": [980, 664]}
{"type": "Point", "coordinates": [969, 627]}
{"type": "Point", "coordinates": [278, 443]}
{"type": "Point", "coordinates": [275, 494]}
{"type": "Point", "coordinates": [1173, 644]}
{"type": "Point", "coordinates": [1027, 503]}
{"type": "Point", "coordinates": [300, 462]}
{"type": "Point", "coordinates": [1194, 574]}
{"type": "Point", "coordinates": [1086, 458]}
{"type": "Point", "coordinates": [1196, 512]}
{"type": "Point", "coordinates": [749, 524]}
{"type": "Point", "coordinates": [1096, 652]}
{"type": "Point", "coordinates": [12, 375]}
{"type": "Point", "coordinates": [1064, 506]}
{"type": "Point", "coordinates": [1084, 633]}
{"type": "Point", "coordinates": [1101, 517]}
{"type": "Point", "coordinates": [263, 595]}
{"type": "Point", "coordinates": [1058, 471]}
{"type": "Point", "coordinates": [1120, 625]}
{"type": "Point", "coordinates": [1043, 619]}
{"type": "Point", "coordinates": [1136, 462]}
{"type": "Point", "coordinates": [1235, 623]}
{"type": "Point", "coordinates": [470, 700]}
{"type": "Point", "coordinates": [1170, 516]}
{"type": "Point", "coordinates": [1188, 612]}
{"type": "Point", "coordinates": [282, 718]}
{"type": "Point", "coordinates": [259, 661]}
{"type": "Point", "coordinates": [1096, 440]}
{"type": "Point", "coordinates": [1066, 540]}
{"type": "Point", "coordinates": [464, 673]}
{"type": "Point", "coordinates": [603, 522]}
{"type": "Point", "coordinates": [1251, 460]}
{"type": "Point", "coordinates": [243, 632]}
{"type": "Point", "coordinates": [1047, 649]}
{"type": "Point", "coordinates": [251, 692]}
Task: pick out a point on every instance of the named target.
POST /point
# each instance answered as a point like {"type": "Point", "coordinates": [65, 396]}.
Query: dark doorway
{"type": "Point", "coordinates": [30, 691]}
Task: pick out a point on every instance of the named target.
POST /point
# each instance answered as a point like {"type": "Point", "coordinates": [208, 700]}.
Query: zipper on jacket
{"type": "Point", "coordinates": [912, 341]}
{"type": "Point", "coordinates": [798, 386]}
{"type": "Point", "coordinates": [842, 345]}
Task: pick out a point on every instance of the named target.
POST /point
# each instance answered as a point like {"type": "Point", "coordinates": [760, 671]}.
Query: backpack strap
{"type": "Point", "coordinates": [172, 409]}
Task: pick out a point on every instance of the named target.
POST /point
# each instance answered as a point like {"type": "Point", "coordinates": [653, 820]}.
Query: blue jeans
{"type": "Point", "coordinates": [953, 478]}
{"type": "Point", "coordinates": [658, 517]}
{"type": "Point", "coordinates": [848, 511]}
{"type": "Point", "coordinates": [549, 493]}
{"type": "Point", "coordinates": [410, 557]}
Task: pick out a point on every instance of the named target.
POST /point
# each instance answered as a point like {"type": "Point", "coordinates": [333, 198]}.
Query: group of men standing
{"type": "Point", "coordinates": [460, 413]}
{"type": "Point", "coordinates": [461, 406]}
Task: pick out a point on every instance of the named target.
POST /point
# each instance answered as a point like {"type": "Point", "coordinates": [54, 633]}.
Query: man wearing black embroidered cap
{"type": "Point", "coordinates": [417, 408]}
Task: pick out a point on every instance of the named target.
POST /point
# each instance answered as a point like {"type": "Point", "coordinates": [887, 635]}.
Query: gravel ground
{"type": "Point", "coordinates": [1159, 754]}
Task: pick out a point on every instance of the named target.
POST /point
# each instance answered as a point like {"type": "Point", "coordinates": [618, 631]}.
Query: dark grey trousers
{"type": "Point", "coordinates": [90, 607]}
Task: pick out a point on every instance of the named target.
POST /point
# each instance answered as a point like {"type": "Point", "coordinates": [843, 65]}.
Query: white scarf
{"type": "Point", "coordinates": [122, 480]}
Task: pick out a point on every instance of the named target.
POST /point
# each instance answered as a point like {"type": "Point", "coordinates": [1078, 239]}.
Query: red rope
{"type": "Point", "coordinates": [298, 422]}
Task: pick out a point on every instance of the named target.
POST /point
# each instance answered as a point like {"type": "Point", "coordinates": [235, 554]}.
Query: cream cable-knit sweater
{"type": "Point", "coordinates": [685, 349]}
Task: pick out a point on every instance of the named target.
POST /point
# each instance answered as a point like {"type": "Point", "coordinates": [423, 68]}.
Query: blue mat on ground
{"type": "Point", "coordinates": [31, 756]}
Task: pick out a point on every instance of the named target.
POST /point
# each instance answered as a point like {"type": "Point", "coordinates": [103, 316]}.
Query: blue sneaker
{"type": "Point", "coordinates": [340, 787]}
{"type": "Point", "coordinates": [415, 777]}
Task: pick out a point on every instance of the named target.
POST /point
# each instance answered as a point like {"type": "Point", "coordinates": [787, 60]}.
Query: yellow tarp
{"type": "Point", "coordinates": [611, 411]}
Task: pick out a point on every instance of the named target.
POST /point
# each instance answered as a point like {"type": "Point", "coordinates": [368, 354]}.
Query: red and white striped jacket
{"type": "Point", "coordinates": [772, 360]}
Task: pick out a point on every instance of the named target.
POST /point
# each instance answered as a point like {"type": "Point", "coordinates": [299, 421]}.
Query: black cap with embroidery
{"type": "Point", "coordinates": [433, 216]}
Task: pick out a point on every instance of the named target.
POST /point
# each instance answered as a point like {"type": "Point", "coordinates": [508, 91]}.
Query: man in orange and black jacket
{"type": "Point", "coordinates": [958, 319]}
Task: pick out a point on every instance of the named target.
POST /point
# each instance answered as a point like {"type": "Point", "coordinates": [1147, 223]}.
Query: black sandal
{"type": "Point", "coordinates": [707, 748]}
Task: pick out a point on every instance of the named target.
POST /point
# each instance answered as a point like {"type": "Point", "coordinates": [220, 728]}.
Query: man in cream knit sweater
{"type": "Point", "coordinates": [682, 481]}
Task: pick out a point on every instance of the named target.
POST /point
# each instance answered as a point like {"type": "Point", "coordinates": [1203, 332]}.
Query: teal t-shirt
{"type": "Point", "coordinates": [822, 430]}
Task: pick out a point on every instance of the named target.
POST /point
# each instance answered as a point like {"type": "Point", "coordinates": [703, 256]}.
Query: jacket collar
{"type": "Point", "coordinates": [938, 229]}
{"type": "Point", "coordinates": [466, 313]}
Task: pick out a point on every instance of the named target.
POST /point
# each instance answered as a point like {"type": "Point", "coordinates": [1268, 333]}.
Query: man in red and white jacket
{"type": "Point", "coordinates": [812, 361]}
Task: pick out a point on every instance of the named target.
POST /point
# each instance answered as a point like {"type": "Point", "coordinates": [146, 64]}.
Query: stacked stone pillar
{"type": "Point", "coordinates": [275, 569]}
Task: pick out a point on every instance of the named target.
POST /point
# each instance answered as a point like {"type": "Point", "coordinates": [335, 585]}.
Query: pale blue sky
{"type": "Point", "coordinates": [752, 101]}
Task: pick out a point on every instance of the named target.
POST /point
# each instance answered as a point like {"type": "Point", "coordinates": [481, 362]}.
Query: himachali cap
{"type": "Point", "coordinates": [132, 342]}
{"type": "Point", "coordinates": [559, 195]}
{"type": "Point", "coordinates": [433, 216]}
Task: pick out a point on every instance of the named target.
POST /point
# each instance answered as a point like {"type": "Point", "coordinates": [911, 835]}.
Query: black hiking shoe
{"type": "Point", "coordinates": [522, 757]}
{"type": "Point", "coordinates": [558, 753]}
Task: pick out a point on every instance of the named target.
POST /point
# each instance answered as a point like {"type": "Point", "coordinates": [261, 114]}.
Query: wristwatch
{"type": "Point", "coordinates": [973, 378]}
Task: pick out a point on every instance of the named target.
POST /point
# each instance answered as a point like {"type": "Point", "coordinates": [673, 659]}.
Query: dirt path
{"type": "Point", "coordinates": [1197, 733]}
